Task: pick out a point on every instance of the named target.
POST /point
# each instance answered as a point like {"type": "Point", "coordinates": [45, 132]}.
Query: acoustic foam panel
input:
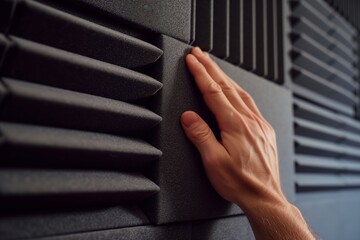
{"type": "Point", "coordinates": [320, 209]}
{"type": "Point", "coordinates": [261, 37]}
{"type": "Point", "coordinates": [172, 17]}
{"type": "Point", "coordinates": [229, 228]}
{"type": "Point", "coordinates": [24, 188]}
{"type": "Point", "coordinates": [63, 147]}
{"type": "Point", "coordinates": [221, 23]}
{"type": "Point", "coordinates": [30, 20]}
{"type": "Point", "coordinates": [204, 24]}
{"type": "Point", "coordinates": [174, 232]}
{"type": "Point", "coordinates": [186, 194]}
{"type": "Point", "coordinates": [25, 59]}
{"type": "Point", "coordinates": [249, 37]}
{"type": "Point", "coordinates": [49, 106]}
{"type": "Point", "coordinates": [236, 28]}
{"type": "Point", "coordinates": [32, 224]}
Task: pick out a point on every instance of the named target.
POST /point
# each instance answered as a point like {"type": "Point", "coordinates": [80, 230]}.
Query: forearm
{"type": "Point", "coordinates": [278, 220]}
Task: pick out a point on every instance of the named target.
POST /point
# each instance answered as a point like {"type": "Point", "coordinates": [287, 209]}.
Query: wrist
{"type": "Point", "coordinates": [251, 204]}
{"type": "Point", "coordinates": [268, 215]}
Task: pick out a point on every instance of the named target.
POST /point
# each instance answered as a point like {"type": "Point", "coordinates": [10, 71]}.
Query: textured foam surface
{"type": "Point", "coordinates": [185, 191]}
{"type": "Point", "coordinates": [261, 37]}
{"type": "Point", "coordinates": [229, 228]}
{"type": "Point", "coordinates": [221, 28]}
{"type": "Point", "coordinates": [30, 224]}
{"type": "Point", "coordinates": [32, 20]}
{"type": "Point", "coordinates": [4, 44]}
{"type": "Point", "coordinates": [174, 232]}
{"type": "Point", "coordinates": [48, 106]}
{"type": "Point", "coordinates": [170, 17]}
{"type": "Point", "coordinates": [249, 30]}
{"type": "Point", "coordinates": [82, 74]}
{"type": "Point", "coordinates": [34, 145]}
{"type": "Point", "coordinates": [236, 12]}
{"type": "Point", "coordinates": [204, 24]}
{"type": "Point", "coordinates": [42, 188]}
{"type": "Point", "coordinates": [6, 12]}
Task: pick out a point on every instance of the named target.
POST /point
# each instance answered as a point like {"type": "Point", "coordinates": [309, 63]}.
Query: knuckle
{"type": "Point", "coordinates": [214, 88]}
{"type": "Point", "coordinates": [225, 86]}
{"type": "Point", "coordinates": [245, 95]}
{"type": "Point", "coordinates": [201, 134]}
{"type": "Point", "coordinates": [235, 121]}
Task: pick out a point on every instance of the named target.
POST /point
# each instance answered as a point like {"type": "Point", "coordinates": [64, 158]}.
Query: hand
{"type": "Point", "coordinates": [243, 166]}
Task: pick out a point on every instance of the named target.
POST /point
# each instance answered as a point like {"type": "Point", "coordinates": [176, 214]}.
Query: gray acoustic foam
{"type": "Point", "coordinates": [204, 24]}
{"type": "Point", "coordinates": [261, 37]}
{"type": "Point", "coordinates": [31, 224]}
{"type": "Point", "coordinates": [30, 188]}
{"type": "Point", "coordinates": [235, 41]}
{"type": "Point", "coordinates": [186, 193]}
{"type": "Point", "coordinates": [32, 20]}
{"type": "Point", "coordinates": [34, 145]}
{"type": "Point", "coordinates": [229, 228]}
{"type": "Point", "coordinates": [221, 23]}
{"type": "Point", "coordinates": [4, 45]}
{"type": "Point", "coordinates": [6, 13]}
{"type": "Point", "coordinates": [173, 232]}
{"type": "Point", "coordinates": [249, 31]}
{"type": "Point", "coordinates": [332, 215]}
{"type": "Point", "coordinates": [25, 59]}
{"type": "Point", "coordinates": [171, 17]}
{"type": "Point", "coordinates": [49, 106]}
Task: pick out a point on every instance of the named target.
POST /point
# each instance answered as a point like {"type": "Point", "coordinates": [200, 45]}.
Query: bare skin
{"type": "Point", "coordinates": [243, 168]}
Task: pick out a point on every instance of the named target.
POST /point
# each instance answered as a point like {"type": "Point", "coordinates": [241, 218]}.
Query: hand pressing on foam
{"type": "Point", "coordinates": [243, 167]}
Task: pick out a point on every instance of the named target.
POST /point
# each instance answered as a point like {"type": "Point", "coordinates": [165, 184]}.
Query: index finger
{"type": "Point", "coordinates": [212, 93]}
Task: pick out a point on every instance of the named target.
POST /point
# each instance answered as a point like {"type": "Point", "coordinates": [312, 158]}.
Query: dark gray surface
{"type": "Point", "coordinates": [28, 145]}
{"type": "Point", "coordinates": [249, 49]}
{"type": "Point", "coordinates": [185, 192]}
{"type": "Point", "coordinates": [29, 188]}
{"type": "Point", "coordinates": [261, 37]}
{"type": "Point", "coordinates": [332, 215]}
{"type": "Point", "coordinates": [40, 23]}
{"type": "Point", "coordinates": [6, 14]}
{"type": "Point", "coordinates": [230, 228]}
{"type": "Point", "coordinates": [48, 106]}
{"type": "Point", "coordinates": [315, 83]}
{"type": "Point", "coordinates": [236, 28]}
{"type": "Point", "coordinates": [170, 17]}
{"type": "Point", "coordinates": [221, 35]}
{"type": "Point", "coordinates": [204, 25]}
{"type": "Point", "coordinates": [173, 232]}
{"type": "Point", "coordinates": [39, 223]}
{"type": "Point", "coordinates": [272, 35]}
{"type": "Point", "coordinates": [82, 74]}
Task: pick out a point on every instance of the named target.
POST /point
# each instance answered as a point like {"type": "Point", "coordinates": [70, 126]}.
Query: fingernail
{"type": "Point", "coordinates": [192, 58]}
{"type": "Point", "coordinates": [189, 119]}
{"type": "Point", "coordinates": [198, 50]}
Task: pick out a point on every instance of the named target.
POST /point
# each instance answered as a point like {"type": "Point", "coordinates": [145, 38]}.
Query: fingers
{"type": "Point", "coordinates": [220, 78]}
{"type": "Point", "coordinates": [238, 97]}
{"type": "Point", "coordinates": [245, 96]}
{"type": "Point", "coordinates": [201, 135]}
{"type": "Point", "coordinates": [211, 91]}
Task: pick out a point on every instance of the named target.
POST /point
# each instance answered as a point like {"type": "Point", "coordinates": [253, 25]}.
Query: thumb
{"type": "Point", "coordinates": [200, 134]}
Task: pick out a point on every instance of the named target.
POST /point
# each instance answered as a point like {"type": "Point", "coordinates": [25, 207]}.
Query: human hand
{"type": "Point", "coordinates": [243, 167]}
